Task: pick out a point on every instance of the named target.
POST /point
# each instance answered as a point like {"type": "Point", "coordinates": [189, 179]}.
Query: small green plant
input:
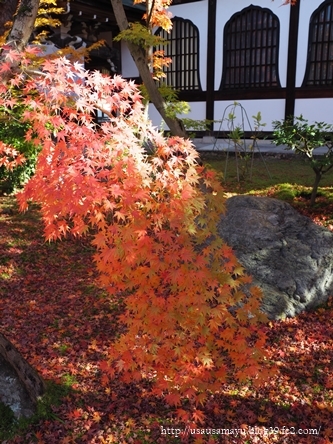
{"type": "Point", "coordinates": [236, 135]}
{"type": "Point", "coordinates": [63, 349]}
{"type": "Point", "coordinates": [258, 126]}
{"type": "Point", "coordinates": [176, 107]}
{"type": "Point", "coordinates": [304, 138]}
{"type": "Point", "coordinates": [192, 126]}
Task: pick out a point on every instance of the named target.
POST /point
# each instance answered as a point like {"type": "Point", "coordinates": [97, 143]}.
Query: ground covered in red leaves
{"type": "Point", "coordinates": [63, 324]}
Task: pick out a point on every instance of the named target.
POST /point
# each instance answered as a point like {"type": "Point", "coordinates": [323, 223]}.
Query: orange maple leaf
{"type": "Point", "coordinates": [173, 399]}
{"type": "Point", "coordinates": [198, 416]}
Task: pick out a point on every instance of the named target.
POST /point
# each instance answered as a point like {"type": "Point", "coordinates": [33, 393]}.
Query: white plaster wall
{"type": "Point", "coordinates": [128, 67]}
{"type": "Point", "coordinates": [156, 118]}
{"type": "Point", "coordinates": [315, 110]}
{"type": "Point", "coordinates": [226, 8]}
{"type": "Point", "coordinates": [306, 9]}
{"type": "Point", "coordinates": [270, 110]}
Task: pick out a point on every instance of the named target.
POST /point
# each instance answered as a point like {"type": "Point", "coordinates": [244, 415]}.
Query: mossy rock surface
{"type": "Point", "coordinates": [289, 256]}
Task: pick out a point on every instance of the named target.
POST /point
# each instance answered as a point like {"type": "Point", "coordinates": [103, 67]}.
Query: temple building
{"type": "Point", "coordinates": [270, 57]}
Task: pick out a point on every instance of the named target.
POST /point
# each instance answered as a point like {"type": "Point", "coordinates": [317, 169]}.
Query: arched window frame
{"type": "Point", "coordinates": [319, 65]}
{"type": "Point", "coordinates": [251, 50]}
{"type": "Point", "coordinates": [183, 49]}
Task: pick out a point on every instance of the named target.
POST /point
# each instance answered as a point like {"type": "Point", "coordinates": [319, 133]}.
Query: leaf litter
{"type": "Point", "coordinates": [63, 324]}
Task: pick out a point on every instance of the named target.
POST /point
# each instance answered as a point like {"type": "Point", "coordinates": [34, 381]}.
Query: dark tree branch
{"type": "Point", "coordinates": [23, 24]}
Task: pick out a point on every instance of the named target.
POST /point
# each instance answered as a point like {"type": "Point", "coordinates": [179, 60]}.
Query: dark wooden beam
{"type": "Point", "coordinates": [211, 44]}
{"type": "Point", "coordinates": [292, 59]}
{"type": "Point", "coordinates": [312, 92]}
{"type": "Point", "coordinates": [99, 11]}
{"type": "Point", "coordinates": [250, 94]}
{"type": "Point", "coordinates": [257, 94]}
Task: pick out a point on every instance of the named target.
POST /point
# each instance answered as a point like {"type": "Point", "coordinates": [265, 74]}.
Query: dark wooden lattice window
{"type": "Point", "coordinates": [183, 49]}
{"type": "Point", "coordinates": [319, 69]}
{"type": "Point", "coordinates": [251, 49]}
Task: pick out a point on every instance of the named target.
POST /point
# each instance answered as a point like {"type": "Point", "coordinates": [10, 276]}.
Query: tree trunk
{"type": "Point", "coordinates": [23, 24]}
{"type": "Point", "coordinates": [139, 57]}
{"type": "Point", "coordinates": [315, 187]}
{"type": "Point", "coordinates": [12, 361]}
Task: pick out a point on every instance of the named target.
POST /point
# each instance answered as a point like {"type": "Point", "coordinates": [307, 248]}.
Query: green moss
{"type": "Point", "coordinates": [10, 426]}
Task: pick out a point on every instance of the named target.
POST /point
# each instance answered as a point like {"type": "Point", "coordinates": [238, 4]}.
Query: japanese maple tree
{"type": "Point", "coordinates": [152, 215]}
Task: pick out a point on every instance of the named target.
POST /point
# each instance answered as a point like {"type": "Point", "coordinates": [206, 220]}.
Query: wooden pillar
{"type": "Point", "coordinates": [292, 59]}
{"type": "Point", "coordinates": [211, 44]}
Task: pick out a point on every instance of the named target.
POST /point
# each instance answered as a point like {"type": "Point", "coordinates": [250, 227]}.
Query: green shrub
{"type": "Point", "coordinates": [304, 138]}
{"type": "Point", "coordinates": [12, 132]}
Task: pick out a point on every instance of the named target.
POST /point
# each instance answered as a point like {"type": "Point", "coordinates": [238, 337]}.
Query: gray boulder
{"type": "Point", "coordinates": [20, 385]}
{"type": "Point", "coordinates": [289, 256]}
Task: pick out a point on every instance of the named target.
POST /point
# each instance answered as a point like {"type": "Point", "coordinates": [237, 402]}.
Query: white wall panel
{"type": "Point", "coordinates": [128, 67]}
{"type": "Point", "coordinates": [270, 110]}
{"type": "Point", "coordinates": [315, 110]}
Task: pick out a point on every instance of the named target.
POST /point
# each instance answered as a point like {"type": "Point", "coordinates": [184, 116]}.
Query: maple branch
{"type": "Point", "coordinates": [35, 72]}
{"type": "Point", "coordinates": [100, 108]}
{"type": "Point", "coordinates": [150, 12]}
